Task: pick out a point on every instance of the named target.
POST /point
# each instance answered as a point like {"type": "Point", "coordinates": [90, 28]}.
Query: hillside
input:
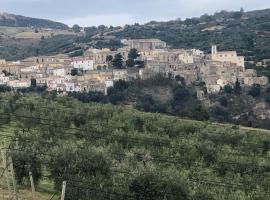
{"type": "Point", "coordinates": [11, 20]}
{"type": "Point", "coordinates": [111, 152]}
{"type": "Point", "coordinates": [246, 32]}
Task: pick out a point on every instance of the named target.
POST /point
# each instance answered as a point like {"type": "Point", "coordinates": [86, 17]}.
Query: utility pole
{"type": "Point", "coordinates": [5, 167]}
{"type": "Point", "coordinates": [13, 179]}
{"type": "Point", "coordinates": [32, 185]}
{"type": "Point", "coordinates": [63, 190]}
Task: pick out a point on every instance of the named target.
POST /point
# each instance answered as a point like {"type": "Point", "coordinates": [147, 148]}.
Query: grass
{"type": "Point", "coordinates": [29, 33]}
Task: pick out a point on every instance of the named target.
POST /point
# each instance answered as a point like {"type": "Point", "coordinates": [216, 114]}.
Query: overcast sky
{"type": "Point", "coordinates": [121, 12]}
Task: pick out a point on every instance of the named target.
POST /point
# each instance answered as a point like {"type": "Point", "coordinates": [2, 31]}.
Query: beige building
{"type": "Point", "coordinates": [227, 56]}
{"type": "Point", "coordinates": [3, 62]}
{"type": "Point", "coordinates": [146, 44]}
{"type": "Point", "coordinates": [100, 56]}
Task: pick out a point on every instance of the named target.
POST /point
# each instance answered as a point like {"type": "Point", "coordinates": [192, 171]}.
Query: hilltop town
{"type": "Point", "coordinates": [175, 110]}
{"type": "Point", "coordinates": [98, 69]}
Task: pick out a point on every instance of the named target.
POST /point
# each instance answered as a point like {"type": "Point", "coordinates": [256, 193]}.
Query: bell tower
{"type": "Point", "coordinates": [214, 50]}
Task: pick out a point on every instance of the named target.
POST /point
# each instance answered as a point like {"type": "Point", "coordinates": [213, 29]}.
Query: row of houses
{"type": "Point", "coordinates": [216, 69]}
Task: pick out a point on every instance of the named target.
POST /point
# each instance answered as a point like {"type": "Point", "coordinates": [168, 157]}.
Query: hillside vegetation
{"type": "Point", "coordinates": [246, 32]}
{"type": "Point", "coordinates": [12, 20]}
{"type": "Point", "coordinates": [110, 152]}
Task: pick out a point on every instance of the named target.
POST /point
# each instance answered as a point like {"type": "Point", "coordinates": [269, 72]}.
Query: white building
{"type": "Point", "coordinates": [108, 83]}
{"type": "Point", "coordinates": [83, 63]}
{"type": "Point", "coordinates": [23, 83]}
{"type": "Point", "coordinates": [3, 79]}
{"type": "Point", "coordinates": [30, 69]}
{"type": "Point", "coordinates": [53, 82]}
{"type": "Point", "coordinates": [59, 72]}
{"type": "Point", "coordinates": [197, 52]}
{"type": "Point", "coordinates": [70, 86]}
{"type": "Point", "coordinates": [120, 74]}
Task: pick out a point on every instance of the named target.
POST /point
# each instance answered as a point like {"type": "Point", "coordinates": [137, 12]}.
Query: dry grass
{"type": "Point", "coordinates": [29, 33]}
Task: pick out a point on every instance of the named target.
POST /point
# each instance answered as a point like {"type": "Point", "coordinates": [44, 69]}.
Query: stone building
{"type": "Point", "coordinates": [227, 56]}
{"type": "Point", "coordinates": [146, 44]}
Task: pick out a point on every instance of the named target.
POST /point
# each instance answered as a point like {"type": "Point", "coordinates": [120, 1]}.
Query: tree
{"type": "Point", "coordinates": [219, 113]}
{"type": "Point", "coordinates": [121, 85]}
{"type": "Point", "coordinates": [118, 61]}
{"type": "Point", "coordinates": [33, 82]}
{"type": "Point", "coordinates": [74, 72]}
{"type": "Point", "coordinates": [237, 87]}
{"type": "Point", "coordinates": [109, 59]}
{"type": "Point", "coordinates": [200, 113]}
{"type": "Point", "coordinates": [146, 103]}
{"type": "Point", "coordinates": [267, 98]}
{"type": "Point", "coordinates": [149, 186]}
{"type": "Point", "coordinates": [133, 54]}
{"type": "Point", "coordinates": [24, 163]}
{"type": "Point", "coordinates": [181, 94]}
{"type": "Point", "coordinates": [228, 89]}
{"type": "Point", "coordinates": [180, 79]}
{"type": "Point", "coordinates": [86, 165]}
{"type": "Point", "coordinates": [255, 90]}
{"type": "Point", "coordinates": [223, 101]}
{"type": "Point", "coordinates": [130, 63]}
{"type": "Point", "coordinates": [76, 28]}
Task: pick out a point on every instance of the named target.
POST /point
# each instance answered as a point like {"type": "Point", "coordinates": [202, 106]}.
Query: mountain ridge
{"type": "Point", "coordinates": [13, 20]}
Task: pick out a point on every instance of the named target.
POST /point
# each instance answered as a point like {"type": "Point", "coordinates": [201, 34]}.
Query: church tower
{"type": "Point", "coordinates": [214, 50]}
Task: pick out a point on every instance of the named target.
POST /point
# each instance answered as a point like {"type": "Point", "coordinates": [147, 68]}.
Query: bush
{"type": "Point", "coordinates": [267, 98]}
{"type": "Point", "coordinates": [150, 187]}
{"type": "Point", "coordinates": [255, 90]}
{"type": "Point", "coordinates": [219, 113]}
{"type": "Point", "coordinates": [228, 89]}
{"type": "Point", "coordinates": [223, 101]}
{"type": "Point", "coordinates": [180, 94]}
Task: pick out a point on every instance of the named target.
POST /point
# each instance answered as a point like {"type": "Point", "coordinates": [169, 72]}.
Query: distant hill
{"type": "Point", "coordinates": [11, 20]}
{"type": "Point", "coordinates": [246, 32]}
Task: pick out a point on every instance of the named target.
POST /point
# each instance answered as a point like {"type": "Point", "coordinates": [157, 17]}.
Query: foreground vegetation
{"type": "Point", "coordinates": [233, 104]}
{"type": "Point", "coordinates": [105, 151]}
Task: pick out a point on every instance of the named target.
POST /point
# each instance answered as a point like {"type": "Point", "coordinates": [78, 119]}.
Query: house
{"type": "Point", "coordinates": [22, 83]}
{"type": "Point", "coordinates": [61, 72]}
{"type": "Point", "coordinates": [100, 57]}
{"type": "Point", "coordinates": [120, 74]}
{"type": "Point", "coordinates": [263, 81]}
{"type": "Point", "coordinates": [3, 79]}
{"type": "Point", "coordinates": [69, 86]}
{"type": "Point", "coordinates": [53, 82]}
{"type": "Point", "coordinates": [83, 63]}
{"type": "Point", "coordinates": [41, 81]}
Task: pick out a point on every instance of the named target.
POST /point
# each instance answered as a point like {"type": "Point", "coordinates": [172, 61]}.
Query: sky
{"type": "Point", "coordinates": [121, 12]}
